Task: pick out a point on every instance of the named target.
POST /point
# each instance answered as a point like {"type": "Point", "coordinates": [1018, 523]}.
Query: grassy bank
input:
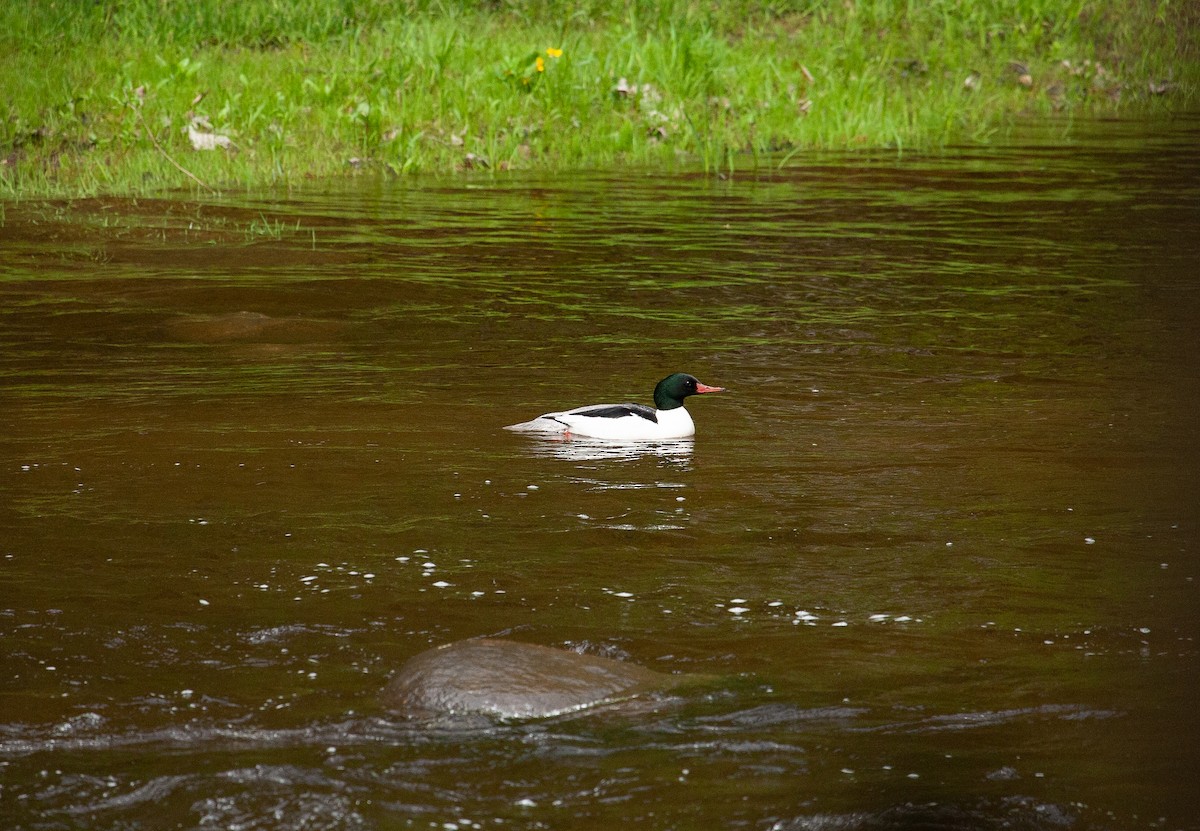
{"type": "Point", "coordinates": [117, 97]}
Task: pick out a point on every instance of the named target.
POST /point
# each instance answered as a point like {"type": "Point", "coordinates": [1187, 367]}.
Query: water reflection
{"type": "Point", "coordinates": [677, 453]}
{"type": "Point", "coordinates": [940, 550]}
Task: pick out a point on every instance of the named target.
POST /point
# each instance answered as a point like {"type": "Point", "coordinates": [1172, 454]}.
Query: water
{"type": "Point", "coordinates": [937, 545]}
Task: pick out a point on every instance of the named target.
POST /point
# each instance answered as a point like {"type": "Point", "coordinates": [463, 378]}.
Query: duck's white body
{"type": "Point", "coordinates": [665, 421]}
{"type": "Point", "coordinates": [621, 422]}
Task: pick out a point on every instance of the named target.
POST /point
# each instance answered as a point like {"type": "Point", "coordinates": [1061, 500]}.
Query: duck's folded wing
{"type": "Point", "coordinates": [560, 422]}
{"type": "Point", "coordinates": [615, 411]}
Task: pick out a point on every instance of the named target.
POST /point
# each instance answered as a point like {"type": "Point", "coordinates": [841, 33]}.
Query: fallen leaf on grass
{"type": "Point", "coordinates": [208, 141]}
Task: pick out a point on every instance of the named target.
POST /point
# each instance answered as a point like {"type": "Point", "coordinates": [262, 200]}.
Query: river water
{"type": "Point", "coordinates": [936, 548]}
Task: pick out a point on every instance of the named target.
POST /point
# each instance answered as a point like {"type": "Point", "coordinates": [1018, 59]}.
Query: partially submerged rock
{"type": "Point", "coordinates": [506, 679]}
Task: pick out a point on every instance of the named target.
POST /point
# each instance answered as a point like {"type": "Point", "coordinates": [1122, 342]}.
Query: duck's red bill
{"type": "Point", "coordinates": [706, 388]}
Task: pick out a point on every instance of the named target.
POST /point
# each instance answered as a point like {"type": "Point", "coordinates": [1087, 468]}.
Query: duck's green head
{"type": "Point", "coordinates": [671, 390]}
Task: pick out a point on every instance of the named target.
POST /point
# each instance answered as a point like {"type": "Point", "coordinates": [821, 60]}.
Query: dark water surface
{"type": "Point", "coordinates": [938, 544]}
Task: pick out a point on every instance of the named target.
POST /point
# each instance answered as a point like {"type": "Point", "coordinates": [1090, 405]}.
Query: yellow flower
{"type": "Point", "coordinates": [541, 64]}
{"type": "Point", "coordinates": [554, 53]}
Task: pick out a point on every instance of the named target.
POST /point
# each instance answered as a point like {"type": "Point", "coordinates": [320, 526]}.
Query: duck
{"type": "Point", "coordinates": [666, 420]}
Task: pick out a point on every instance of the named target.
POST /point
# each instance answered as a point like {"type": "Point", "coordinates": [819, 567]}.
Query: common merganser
{"type": "Point", "coordinates": [667, 419]}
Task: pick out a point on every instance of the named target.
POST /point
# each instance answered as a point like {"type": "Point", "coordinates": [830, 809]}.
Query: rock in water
{"type": "Point", "coordinates": [513, 680]}
{"type": "Point", "coordinates": [251, 327]}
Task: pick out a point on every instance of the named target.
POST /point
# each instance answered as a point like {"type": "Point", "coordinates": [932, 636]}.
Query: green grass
{"type": "Point", "coordinates": [99, 95]}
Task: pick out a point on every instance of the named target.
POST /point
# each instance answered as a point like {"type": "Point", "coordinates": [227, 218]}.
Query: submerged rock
{"type": "Point", "coordinates": [506, 679]}
{"type": "Point", "coordinates": [251, 327]}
